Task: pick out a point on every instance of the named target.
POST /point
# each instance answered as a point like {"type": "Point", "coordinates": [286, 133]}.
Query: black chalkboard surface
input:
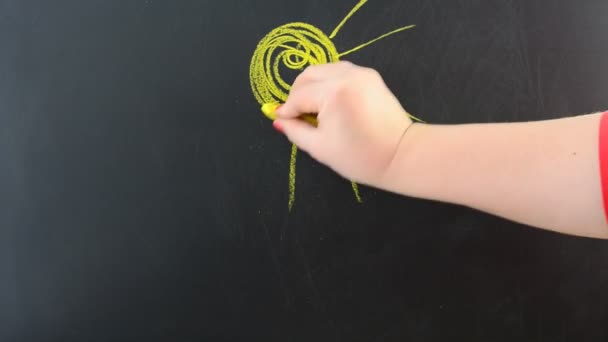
{"type": "Point", "coordinates": [144, 195]}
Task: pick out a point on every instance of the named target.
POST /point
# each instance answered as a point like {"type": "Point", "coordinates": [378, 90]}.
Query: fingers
{"type": "Point", "coordinates": [306, 95]}
{"type": "Point", "coordinates": [305, 99]}
{"type": "Point", "coordinates": [299, 132]}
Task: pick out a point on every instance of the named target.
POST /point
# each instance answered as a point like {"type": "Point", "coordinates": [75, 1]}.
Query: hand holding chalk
{"type": "Point", "coordinates": [360, 122]}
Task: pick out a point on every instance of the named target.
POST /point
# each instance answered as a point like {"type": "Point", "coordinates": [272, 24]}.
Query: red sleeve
{"type": "Point", "coordinates": [603, 151]}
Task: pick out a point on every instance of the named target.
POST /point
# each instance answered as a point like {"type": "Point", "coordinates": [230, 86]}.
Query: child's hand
{"type": "Point", "coordinates": [361, 123]}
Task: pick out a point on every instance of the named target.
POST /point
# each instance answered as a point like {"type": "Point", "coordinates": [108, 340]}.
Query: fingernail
{"type": "Point", "coordinates": [277, 126]}
{"type": "Point", "coordinates": [276, 110]}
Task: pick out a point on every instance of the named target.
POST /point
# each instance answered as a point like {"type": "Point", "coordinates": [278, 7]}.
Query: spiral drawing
{"type": "Point", "coordinates": [295, 46]}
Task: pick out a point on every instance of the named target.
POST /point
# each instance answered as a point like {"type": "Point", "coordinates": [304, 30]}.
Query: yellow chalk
{"type": "Point", "coordinates": [269, 110]}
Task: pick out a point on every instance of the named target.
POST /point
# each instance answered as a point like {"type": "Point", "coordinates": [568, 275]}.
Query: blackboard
{"type": "Point", "coordinates": [144, 196]}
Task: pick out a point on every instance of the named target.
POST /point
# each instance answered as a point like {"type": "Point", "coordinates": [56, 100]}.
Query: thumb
{"type": "Point", "coordinates": [299, 132]}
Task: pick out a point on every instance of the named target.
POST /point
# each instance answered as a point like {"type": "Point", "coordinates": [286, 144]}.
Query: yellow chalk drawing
{"type": "Point", "coordinates": [295, 46]}
{"type": "Point", "coordinates": [292, 176]}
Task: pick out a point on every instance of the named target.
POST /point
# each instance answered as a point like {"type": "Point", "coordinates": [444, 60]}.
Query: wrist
{"type": "Point", "coordinates": [398, 176]}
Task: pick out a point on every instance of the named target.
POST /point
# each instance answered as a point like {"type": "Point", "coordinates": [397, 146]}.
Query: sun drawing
{"type": "Point", "coordinates": [294, 46]}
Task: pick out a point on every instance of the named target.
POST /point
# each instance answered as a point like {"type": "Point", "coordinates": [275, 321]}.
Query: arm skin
{"type": "Point", "coordinates": [544, 174]}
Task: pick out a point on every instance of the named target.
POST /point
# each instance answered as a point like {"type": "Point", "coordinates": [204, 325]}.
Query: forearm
{"type": "Point", "coordinates": [545, 174]}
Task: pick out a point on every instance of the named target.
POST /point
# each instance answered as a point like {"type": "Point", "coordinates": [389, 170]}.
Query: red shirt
{"type": "Point", "coordinates": [603, 154]}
